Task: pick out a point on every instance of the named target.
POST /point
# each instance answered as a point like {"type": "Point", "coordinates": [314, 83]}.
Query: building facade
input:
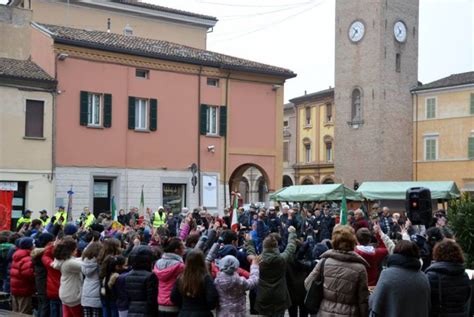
{"type": "Point", "coordinates": [131, 17]}
{"type": "Point", "coordinates": [376, 67]}
{"type": "Point", "coordinates": [144, 114]}
{"type": "Point", "coordinates": [26, 136]}
{"type": "Point", "coordinates": [315, 138]}
{"type": "Point", "coordinates": [443, 131]}
{"type": "Point", "coordinates": [289, 144]}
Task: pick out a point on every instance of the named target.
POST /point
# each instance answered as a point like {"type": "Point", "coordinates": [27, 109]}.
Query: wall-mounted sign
{"type": "Point", "coordinates": [101, 190]}
{"type": "Point", "coordinates": [209, 192]}
{"type": "Point", "coordinates": [9, 186]}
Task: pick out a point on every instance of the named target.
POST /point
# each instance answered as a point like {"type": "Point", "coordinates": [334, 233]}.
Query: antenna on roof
{"type": "Point", "coordinates": [108, 25]}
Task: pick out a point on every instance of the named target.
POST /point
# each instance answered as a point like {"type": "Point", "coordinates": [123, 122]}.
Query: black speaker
{"type": "Point", "coordinates": [418, 205]}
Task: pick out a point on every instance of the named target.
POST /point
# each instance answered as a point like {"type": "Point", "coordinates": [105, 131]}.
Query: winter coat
{"type": "Point", "coordinates": [91, 288]}
{"type": "Point", "coordinates": [402, 289]}
{"type": "Point", "coordinates": [200, 306]}
{"type": "Point", "coordinates": [455, 289]}
{"type": "Point", "coordinates": [296, 273]}
{"type": "Point", "coordinates": [345, 284]}
{"type": "Point", "coordinates": [373, 256]}
{"type": "Point", "coordinates": [231, 289]}
{"type": "Point", "coordinates": [121, 293]}
{"type": "Point", "coordinates": [22, 274]}
{"type": "Point", "coordinates": [70, 288]}
{"type": "Point", "coordinates": [40, 271]}
{"type": "Point", "coordinates": [6, 284]}
{"type": "Point", "coordinates": [272, 292]}
{"type": "Point", "coordinates": [4, 248]}
{"type": "Point", "coordinates": [53, 276]}
{"type": "Point", "coordinates": [167, 269]}
{"type": "Point", "coordinates": [141, 287]}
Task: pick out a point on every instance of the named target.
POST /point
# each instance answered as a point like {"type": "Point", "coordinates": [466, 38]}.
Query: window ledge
{"type": "Point", "coordinates": [355, 124]}
{"type": "Point", "coordinates": [142, 130]}
{"type": "Point", "coordinates": [95, 127]}
{"type": "Point", "coordinates": [212, 135]}
{"type": "Point", "coordinates": [308, 126]}
{"type": "Point", "coordinates": [34, 138]}
{"type": "Point", "coordinates": [327, 123]}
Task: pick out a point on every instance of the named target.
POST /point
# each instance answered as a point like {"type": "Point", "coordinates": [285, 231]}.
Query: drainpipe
{"type": "Point", "coordinates": [199, 137]}
{"type": "Point", "coordinates": [225, 141]}
{"type": "Point", "coordinates": [416, 137]}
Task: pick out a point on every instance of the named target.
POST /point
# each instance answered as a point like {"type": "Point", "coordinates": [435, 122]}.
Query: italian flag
{"type": "Point", "coordinates": [343, 214]}
{"type": "Point", "coordinates": [235, 204]}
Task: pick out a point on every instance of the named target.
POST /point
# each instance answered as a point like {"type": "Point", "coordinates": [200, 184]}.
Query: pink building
{"type": "Point", "coordinates": [135, 113]}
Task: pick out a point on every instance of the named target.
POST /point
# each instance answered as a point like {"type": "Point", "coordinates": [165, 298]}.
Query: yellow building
{"type": "Point", "coordinates": [443, 131]}
{"type": "Point", "coordinates": [315, 138]}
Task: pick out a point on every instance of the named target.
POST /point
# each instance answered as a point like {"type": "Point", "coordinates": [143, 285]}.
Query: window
{"type": "Point", "coordinates": [93, 110]}
{"type": "Point", "coordinates": [430, 108]}
{"type": "Point", "coordinates": [285, 124]}
{"type": "Point", "coordinates": [329, 152]}
{"type": "Point", "coordinates": [286, 145]}
{"type": "Point", "coordinates": [470, 148]}
{"type": "Point", "coordinates": [213, 82]}
{"type": "Point", "coordinates": [142, 73]}
{"type": "Point", "coordinates": [34, 118]}
{"type": "Point", "coordinates": [431, 148]}
{"type": "Point", "coordinates": [128, 30]}
{"type": "Point", "coordinates": [307, 148]}
{"type": "Point", "coordinates": [397, 62]}
{"type": "Point", "coordinates": [308, 116]}
{"type": "Point", "coordinates": [141, 109]}
{"type": "Point", "coordinates": [329, 112]}
{"type": "Point", "coordinates": [472, 104]}
{"type": "Point", "coordinates": [356, 105]}
{"type": "Point", "coordinates": [211, 126]}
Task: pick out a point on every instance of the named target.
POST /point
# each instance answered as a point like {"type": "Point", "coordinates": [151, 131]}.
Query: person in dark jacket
{"type": "Point", "coordinates": [194, 291]}
{"type": "Point", "coordinates": [14, 241]}
{"type": "Point", "coordinates": [297, 270]}
{"type": "Point", "coordinates": [141, 284]}
{"type": "Point", "coordinates": [22, 277]}
{"type": "Point", "coordinates": [402, 289]}
{"type": "Point", "coordinates": [450, 285]}
{"type": "Point", "coordinates": [272, 291]}
{"type": "Point", "coordinates": [42, 241]}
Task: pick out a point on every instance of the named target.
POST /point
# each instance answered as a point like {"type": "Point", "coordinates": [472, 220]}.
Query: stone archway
{"type": "Point", "coordinates": [287, 181]}
{"type": "Point", "coordinates": [244, 189]}
{"type": "Point", "coordinates": [328, 180]}
{"type": "Point", "coordinates": [258, 182]}
{"type": "Point", "coordinates": [307, 181]}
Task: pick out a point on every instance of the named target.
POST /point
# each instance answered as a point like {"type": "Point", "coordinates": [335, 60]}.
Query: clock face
{"type": "Point", "coordinates": [356, 31]}
{"type": "Point", "coordinates": [400, 31]}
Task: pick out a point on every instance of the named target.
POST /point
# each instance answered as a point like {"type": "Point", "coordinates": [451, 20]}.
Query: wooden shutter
{"type": "Point", "coordinates": [222, 121]}
{"type": "Point", "coordinates": [153, 114]}
{"type": "Point", "coordinates": [107, 110]}
{"type": "Point", "coordinates": [34, 118]}
{"type": "Point", "coordinates": [470, 148]}
{"type": "Point", "coordinates": [203, 119]}
{"type": "Point", "coordinates": [131, 113]}
{"type": "Point", "coordinates": [84, 108]}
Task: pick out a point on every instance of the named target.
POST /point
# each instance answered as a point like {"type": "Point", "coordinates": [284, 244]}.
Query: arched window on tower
{"type": "Point", "coordinates": [356, 105]}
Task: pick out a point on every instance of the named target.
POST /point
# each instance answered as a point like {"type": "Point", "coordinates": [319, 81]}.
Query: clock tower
{"type": "Point", "coordinates": [376, 66]}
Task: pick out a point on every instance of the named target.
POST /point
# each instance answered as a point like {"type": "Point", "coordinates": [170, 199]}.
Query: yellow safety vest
{"type": "Point", "coordinates": [159, 221]}
{"type": "Point", "coordinates": [22, 221]}
{"type": "Point", "coordinates": [45, 222]}
{"type": "Point", "coordinates": [60, 214]}
{"type": "Point", "coordinates": [89, 220]}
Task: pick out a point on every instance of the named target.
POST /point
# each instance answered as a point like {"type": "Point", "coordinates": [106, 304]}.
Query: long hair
{"type": "Point", "coordinates": [65, 248]}
{"type": "Point", "coordinates": [92, 251]}
{"type": "Point", "coordinates": [110, 247]}
{"type": "Point", "coordinates": [191, 282]}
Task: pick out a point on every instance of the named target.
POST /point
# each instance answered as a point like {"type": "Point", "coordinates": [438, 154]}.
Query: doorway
{"type": "Point", "coordinates": [102, 196]}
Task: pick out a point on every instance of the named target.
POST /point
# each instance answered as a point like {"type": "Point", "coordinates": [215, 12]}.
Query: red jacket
{"type": "Point", "coordinates": [240, 271]}
{"type": "Point", "coordinates": [53, 277]}
{"type": "Point", "coordinates": [22, 274]}
{"type": "Point", "coordinates": [374, 256]}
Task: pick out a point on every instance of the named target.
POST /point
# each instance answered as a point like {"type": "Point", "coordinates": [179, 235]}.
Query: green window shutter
{"type": "Point", "coordinates": [203, 119]}
{"type": "Point", "coordinates": [107, 110]}
{"type": "Point", "coordinates": [131, 113]}
{"type": "Point", "coordinates": [222, 121]}
{"type": "Point", "coordinates": [84, 108]}
{"type": "Point", "coordinates": [153, 114]}
{"type": "Point", "coordinates": [470, 148]}
{"type": "Point", "coordinates": [472, 104]}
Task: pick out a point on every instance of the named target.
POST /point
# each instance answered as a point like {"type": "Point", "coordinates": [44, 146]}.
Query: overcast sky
{"type": "Point", "coordinates": [299, 35]}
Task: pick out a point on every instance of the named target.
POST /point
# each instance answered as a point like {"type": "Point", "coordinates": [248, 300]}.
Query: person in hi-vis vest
{"type": "Point", "coordinates": [89, 218]}
{"type": "Point", "coordinates": [159, 217]}
{"type": "Point", "coordinates": [60, 216]}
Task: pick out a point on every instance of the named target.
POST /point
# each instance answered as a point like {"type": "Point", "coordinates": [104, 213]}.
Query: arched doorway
{"type": "Point", "coordinates": [307, 181]}
{"type": "Point", "coordinates": [244, 189]}
{"type": "Point", "coordinates": [328, 180]}
{"type": "Point", "coordinates": [287, 181]}
{"type": "Point", "coordinates": [257, 179]}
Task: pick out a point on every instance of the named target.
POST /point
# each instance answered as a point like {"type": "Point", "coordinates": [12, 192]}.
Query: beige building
{"type": "Point", "coordinates": [289, 144]}
{"type": "Point", "coordinates": [443, 131]}
{"type": "Point", "coordinates": [315, 138]}
{"type": "Point", "coordinates": [130, 17]}
{"type": "Point", "coordinates": [26, 135]}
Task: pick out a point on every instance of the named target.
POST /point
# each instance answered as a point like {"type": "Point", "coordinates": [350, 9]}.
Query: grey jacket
{"type": "Point", "coordinates": [231, 289]}
{"type": "Point", "coordinates": [91, 287]}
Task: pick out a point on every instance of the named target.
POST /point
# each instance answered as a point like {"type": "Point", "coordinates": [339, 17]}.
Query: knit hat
{"type": "Point", "coordinates": [70, 229]}
{"type": "Point", "coordinates": [229, 264]}
{"type": "Point", "coordinates": [228, 249]}
{"type": "Point", "coordinates": [43, 239]}
{"type": "Point", "coordinates": [26, 243]}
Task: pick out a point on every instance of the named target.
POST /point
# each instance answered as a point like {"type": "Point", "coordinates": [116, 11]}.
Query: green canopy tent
{"type": "Point", "coordinates": [324, 192]}
{"type": "Point", "coordinates": [397, 190]}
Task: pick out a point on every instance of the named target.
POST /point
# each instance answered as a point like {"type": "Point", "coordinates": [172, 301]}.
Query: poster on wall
{"type": "Point", "coordinates": [6, 198]}
{"type": "Point", "coordinates": [209, 192]}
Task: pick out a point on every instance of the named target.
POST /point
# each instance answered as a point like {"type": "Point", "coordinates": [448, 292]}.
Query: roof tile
{"type": "Point", "coordinates": [23, 69]}
{"type": "Point", "coordinates": [453, 80]}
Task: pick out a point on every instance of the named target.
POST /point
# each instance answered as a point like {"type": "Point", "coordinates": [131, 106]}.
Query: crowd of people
{"type": "Point", "coordinates": [193, 264]}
